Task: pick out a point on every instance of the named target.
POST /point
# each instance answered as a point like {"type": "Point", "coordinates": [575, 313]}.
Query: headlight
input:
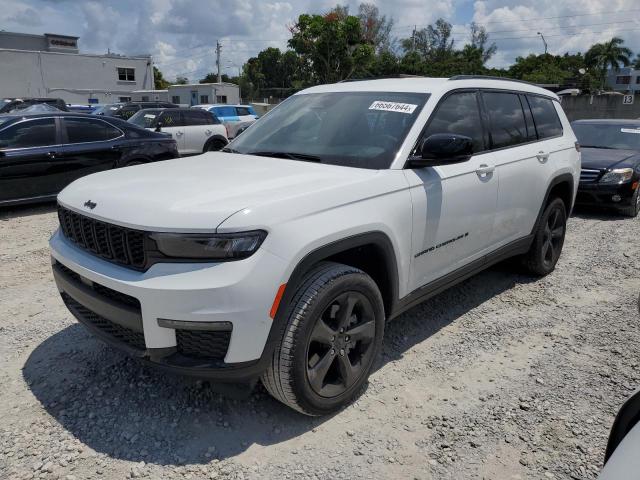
{"type": "Point", "coordinates": [221, 246]}
{"type": "Point", "coordinates": [618, 175]}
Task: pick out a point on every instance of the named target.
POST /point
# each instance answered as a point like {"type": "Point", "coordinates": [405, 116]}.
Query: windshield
{"type": "Point", "coordinates": [108, 110]}
{"type": "Point", "coordinates": [624, 137]}
{"type": "Point", "coordinates": [145, 118]}
{"type": "Point", "coordinates": [354, 129]}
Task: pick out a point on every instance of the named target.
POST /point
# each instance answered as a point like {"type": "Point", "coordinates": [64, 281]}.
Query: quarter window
{"type": "Point", "coordinates": [171, 118]}
{"type": "Point", "coordinates": [196, 117]}
{"type": "Point", "coordinates": [243, 111]}
{"type": "Point", "coordinates": [126, 74]}
{"type": "Point", "coordinates": [545, 116]}
{"type": "Point", "coordinates": [507, 125]}
{"type": "Point", "coordinates": [32, 133]}
{"type": "Point", "coordinates": [83, 130]}
{"type": "Point", "coordinates": [459, 114]}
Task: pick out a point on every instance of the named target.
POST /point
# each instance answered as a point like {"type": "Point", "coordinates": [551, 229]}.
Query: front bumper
{"type": "Point", "coordinates": [205, 320]}
{"type": "Point", "coordinates": [593, 193]}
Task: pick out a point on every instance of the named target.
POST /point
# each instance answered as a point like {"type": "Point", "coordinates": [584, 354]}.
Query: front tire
{"type": "Point", "coordinates": [213, 146]}
{"type": "Point", "coordinates": [334, 331]}
{"type": "Point", "coordinates": [548, 240]}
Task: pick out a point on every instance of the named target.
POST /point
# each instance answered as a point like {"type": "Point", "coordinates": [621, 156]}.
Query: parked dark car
{"type": "Point", "coordinates": [127, 110]}
{"type": "Point", "coordinates": [610, 164]}
{"type": "Point", "coordinates": [22, 103]}
{"type": "Point", "coordinates": [41, 154]}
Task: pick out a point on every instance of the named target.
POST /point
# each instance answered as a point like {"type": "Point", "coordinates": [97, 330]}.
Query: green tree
{"type": "Point", "coordinates": [180, 80]}
{"type": "Point", "coordinates": [376, 28]}
{"type": "Point", "coordinates": [603, 56]}
{"type": "Point", "coordinates": [159, 83]}
{"type": "Point", "coordinates": [480, 42]}
{"type": "Point", "coordinates": [212, 77]}
{"type": "Point", "coordinates": [332, 46]}
{"type": "Point", "coordinates": [636, 62]}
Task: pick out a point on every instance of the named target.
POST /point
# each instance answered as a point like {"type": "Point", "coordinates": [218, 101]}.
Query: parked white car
{"type": "Point", "coordinates": [282, 257]}
{"type": "Point", "coordinates": [195, 131]}
{"type": "Point", "coordinates": [235, 117]}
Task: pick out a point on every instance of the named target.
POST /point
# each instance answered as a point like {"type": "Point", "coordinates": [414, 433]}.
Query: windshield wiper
{"type": "Point", "coordinates": [288, 155]}
{"type": "Point", "coordinates": [229, 150]}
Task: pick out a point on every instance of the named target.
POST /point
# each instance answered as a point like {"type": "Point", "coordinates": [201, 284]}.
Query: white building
{"type": "Point", "coordinates": [197, 93]}
{"type": "Point", "coordinates": [50, 65]}
{"type": "Point", "coordinates": [625, 80]}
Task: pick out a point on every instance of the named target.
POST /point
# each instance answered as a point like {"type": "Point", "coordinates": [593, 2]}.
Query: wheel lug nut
{"type": "Point", "coordinates": [346, 338]}
{"type": "Point", "coordinates": [333, 338]}
{"type": "Point", "coordinates": [342, 352]}
{"type": "Point", "coordinates": [333, 352]}
{"type": "Point", "coordinates": [342, 330]}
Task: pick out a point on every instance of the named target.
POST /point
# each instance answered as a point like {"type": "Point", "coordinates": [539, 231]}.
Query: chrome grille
{"type": "Point", "coordinates": [588, 175]}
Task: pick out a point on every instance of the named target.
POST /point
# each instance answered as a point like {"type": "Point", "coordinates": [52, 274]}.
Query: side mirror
{"type": "Point", "coordinates": [442, 149]}
{"type": "Point", "coordinates": [158, 127]}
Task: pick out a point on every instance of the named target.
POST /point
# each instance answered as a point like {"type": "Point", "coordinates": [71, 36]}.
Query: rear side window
{"type": "Point", "coordinates": [195, 117]}
{"type": "Point", "coordinates": [459, 114]}
{"type": "Point", "coordinates": [32, 133]}
{"type": "Point", "coordinates": [243, 111]}
{"type": "Point", "coordinates": [507, 125]}
{"type": "Point", "coordinates": [171, 118]}
{"type": "Point", "coordinates": [545, 117]}
{"type": "Point", "coordinates": [128, 111]}
{"type": "Point", "coordinates": [225, 111]}
{"type": "Point", "coordinates": [83, 130]}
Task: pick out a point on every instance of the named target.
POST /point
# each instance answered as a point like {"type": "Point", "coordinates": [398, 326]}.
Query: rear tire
{"type": "Point", "coordinates": [633, 210]}
{"type": "Point", "coordinates": [334, 331]}
{"type": "Point", "coordinates": [213, 146]}
{"type": "Point", "coordinates": [548, 240]}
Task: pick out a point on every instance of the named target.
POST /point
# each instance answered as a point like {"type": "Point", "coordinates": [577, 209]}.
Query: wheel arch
{"type": "Point", "coordinates": [214, 138]}
{"type": "Point", "coordinates": [561, 187]}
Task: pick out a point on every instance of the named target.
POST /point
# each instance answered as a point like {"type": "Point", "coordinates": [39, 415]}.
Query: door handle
{"type": "Point", "coordinates": [542, 157]}
{"type": "Point", "coordinates": [178, 134]}
{"type": "Point", "coordinates": [484, 170]}
{"type": "Point", "coordinates": [207, 132]}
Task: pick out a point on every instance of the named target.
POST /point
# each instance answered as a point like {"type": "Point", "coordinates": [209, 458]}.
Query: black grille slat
{"type": "Point", "coordinates": [588, 175]}
{"type": "Point", "coordinates": [122, 245]}
{"type": "Point", "coordinates": [203, 344]}
{"type": "Point", "coordinates": [118, 332]}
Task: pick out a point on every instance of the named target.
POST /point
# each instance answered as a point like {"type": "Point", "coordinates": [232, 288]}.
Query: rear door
{"type": "Point", "coordinates": [512, 139]}
{"type": "Point", "coordinates": [27, 150]}
{"type": "Point", "coordinates": [171, 121]}
{"type": "Point", "coordinates": [89, 145]}
{"type": "Point", "coordinates": [453, 205]}
{"type": "Point", "coordinates": [198, 129]}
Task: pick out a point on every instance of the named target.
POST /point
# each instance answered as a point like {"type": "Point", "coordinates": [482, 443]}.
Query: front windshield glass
{"type": "Point", "coordinates": [145, 118]}
{"type": "Point", "coordinates": [625, 137]}
{"type": "Point", "coordinates": [354, 129]}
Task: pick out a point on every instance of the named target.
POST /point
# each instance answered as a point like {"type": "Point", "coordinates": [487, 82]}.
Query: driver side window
{"type": "Point", "coordinates": [458, 114]}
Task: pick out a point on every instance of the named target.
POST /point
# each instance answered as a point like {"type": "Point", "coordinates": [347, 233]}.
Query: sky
{"type": "Point", "coordinates": [181, 34]}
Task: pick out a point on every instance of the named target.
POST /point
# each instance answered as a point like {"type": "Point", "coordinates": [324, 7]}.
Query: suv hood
{"type": "Point", "coordinates": [600, 158]}
{"type": "Point", "coordinates": [197, 194]}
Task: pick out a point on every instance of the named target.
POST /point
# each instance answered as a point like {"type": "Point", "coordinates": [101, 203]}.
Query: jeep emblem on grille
{"type": "Point", "coordinates": [90, 204]}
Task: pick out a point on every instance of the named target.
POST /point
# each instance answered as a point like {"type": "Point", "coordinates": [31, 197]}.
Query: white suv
{"type": "Point", "coordinates": [195, 131]}
{"type": "Point", "coordinates": [282, 257]}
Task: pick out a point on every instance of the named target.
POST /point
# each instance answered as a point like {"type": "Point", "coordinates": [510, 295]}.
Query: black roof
{"type": "Point", "coordinates": [608, 121]}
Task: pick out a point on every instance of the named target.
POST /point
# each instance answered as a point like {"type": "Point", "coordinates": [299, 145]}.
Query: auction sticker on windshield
{"type": "Point", "coordinates": [393, 106]}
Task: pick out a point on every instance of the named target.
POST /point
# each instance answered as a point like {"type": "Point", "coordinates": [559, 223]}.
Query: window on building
{"type": "Point", "coordinates": [124, 99]}
{"type": "Point", "coordinates": [82, 130]}
{"type": "Point", "coordinates": [221, 99]}
{"type": "Point", "coordinates": [507, 125]}
{"type": "Point", "coordinates": [126, 74]}
{"type": "Point", "coordinates": [623, 79]}
{"type": "Point", "coordinates": [175, 99]}
{"type": "Point", "coordinates": [204, 98]}
{"type": "Point", "coordinates": [32, 133]}
{"type": "Point", "coordinates": [638, 79]}
{"type": "Point", "coordinates": [545, 116]}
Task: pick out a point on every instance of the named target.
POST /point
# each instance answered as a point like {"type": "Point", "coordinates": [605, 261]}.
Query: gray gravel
{"type": "Point", "coordinates": [503, 376]}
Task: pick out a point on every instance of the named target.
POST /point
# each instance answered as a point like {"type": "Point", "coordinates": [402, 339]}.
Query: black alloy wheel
{"type": "Point", "coordinates": [553, 237]}
{"type": "Point", "coordinates": [341, 344]}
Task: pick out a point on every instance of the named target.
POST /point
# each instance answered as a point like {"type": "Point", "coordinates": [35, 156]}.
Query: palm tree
{"type": "Point", "coordinates": [637, 62]}
{"type": "Point", "coordinates": [601, 56]}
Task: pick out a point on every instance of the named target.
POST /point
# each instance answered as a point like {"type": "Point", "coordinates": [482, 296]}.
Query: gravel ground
{"type": "Point", "coordinates": [503, 376]}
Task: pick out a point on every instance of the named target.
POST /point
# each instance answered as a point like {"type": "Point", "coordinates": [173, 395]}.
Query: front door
{"type": "Point", "coordinates": [453, 205]}
{"type": "Point", "coordinates": [194, 97]}
{"type": "Point", "coordinates": [27, 150]}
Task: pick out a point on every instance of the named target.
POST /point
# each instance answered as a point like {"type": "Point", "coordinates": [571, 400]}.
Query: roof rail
{"type": "Point", "coordinates": [490, 77]}
{"type": "Point", "coordinates": [381, 77]}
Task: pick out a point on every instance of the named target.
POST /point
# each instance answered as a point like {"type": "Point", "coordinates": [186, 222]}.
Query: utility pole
{"type": "Point", "coordinates": [413, 39]}
{"type": "Point", "coordinates": [544, 42]}
{"type": "Point", "coordinates": [218, 50]}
